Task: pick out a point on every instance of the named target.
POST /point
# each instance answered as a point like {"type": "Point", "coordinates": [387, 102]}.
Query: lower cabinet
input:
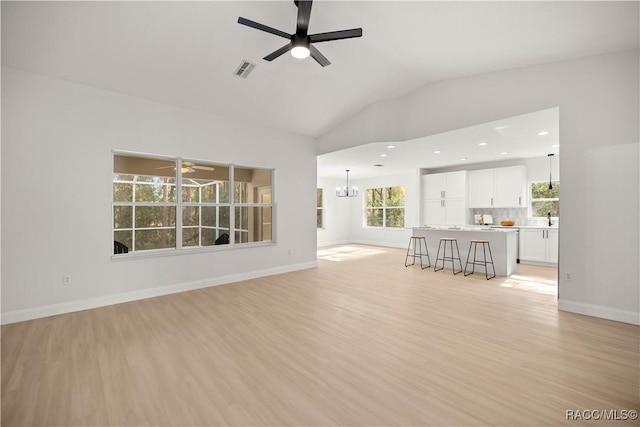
{"type": "Point", "coordinates": [539, 245]}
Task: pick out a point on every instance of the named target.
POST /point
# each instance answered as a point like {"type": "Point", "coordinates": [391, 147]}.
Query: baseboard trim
{"type": "Point", "coordinates": [383, 244]}
{"type": "Point", "coordinates": [89, 303]}
{"type": "Point", "coordinates": [335, 243]}
{"type": "Point", "coordinates": [625, 316]}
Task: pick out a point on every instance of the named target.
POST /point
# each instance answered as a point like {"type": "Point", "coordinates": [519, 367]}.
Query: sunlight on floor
{"type": "Point", "coordinates": [541, 286]}
{"type": "Point", "coordinates": [346, 253]}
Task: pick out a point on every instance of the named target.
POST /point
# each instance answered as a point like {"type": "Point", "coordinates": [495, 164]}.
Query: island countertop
{"type": "Point", "coordinates": [502, 242]}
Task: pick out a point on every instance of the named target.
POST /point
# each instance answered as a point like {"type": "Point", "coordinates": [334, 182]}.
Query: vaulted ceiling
{"type": "Point", "coordinates": [186, 53]}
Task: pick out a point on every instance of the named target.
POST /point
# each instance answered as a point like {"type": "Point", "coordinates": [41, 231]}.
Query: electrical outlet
{"type": "Point", "coordinates": [66, 279]}
{"type": "Point", "coordinates": [567, 276]}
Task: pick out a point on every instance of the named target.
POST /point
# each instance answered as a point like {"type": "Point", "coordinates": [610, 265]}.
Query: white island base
{"type": "Point", "coordinates": [502, 241]}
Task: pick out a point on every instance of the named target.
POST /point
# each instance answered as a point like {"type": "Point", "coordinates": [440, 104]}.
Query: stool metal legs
{"type": "Point", "coordinates": [451, 258]}
{"type": "Point", "coordinates": [417, 251]}
{"type": "Point", "coordinates": [484, 261]}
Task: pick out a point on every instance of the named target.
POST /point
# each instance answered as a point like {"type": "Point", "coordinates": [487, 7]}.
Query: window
{"type": "Point", "coordinates": [385, 207]}
{"type": "Point", "coordinates": [144, 204]}
{"type": "Point", "coordinates": [544, 200]}
{"type": "Point", "coordinates": [319, 208]}
{"type": "Point", "coordinates": [253, 209]}
{"type": "Point", "coordinates": [148, 214]}
{"type": "Point", "coordinates": [205, 203]}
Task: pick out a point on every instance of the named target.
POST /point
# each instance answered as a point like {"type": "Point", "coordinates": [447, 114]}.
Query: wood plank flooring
{"type": "Point", "coordinates": [359, 341]}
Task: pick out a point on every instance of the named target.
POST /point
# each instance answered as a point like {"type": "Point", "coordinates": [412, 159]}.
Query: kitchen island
{"type": "Point", "coordinates": [502, 241]}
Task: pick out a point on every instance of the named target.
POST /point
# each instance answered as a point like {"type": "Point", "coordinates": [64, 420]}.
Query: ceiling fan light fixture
{"type": "Point", "coordinates": [300, 52]}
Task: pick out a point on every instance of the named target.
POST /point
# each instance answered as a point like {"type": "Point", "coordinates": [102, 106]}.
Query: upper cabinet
{"type": "Point", "coordinates": [449, 185]}
{"type": "Point", "coordinates": [444, 198]}
{"type": "Point", "coordinates": [481, 188]}
{"type": "Point", "coordinates": [498, 188]}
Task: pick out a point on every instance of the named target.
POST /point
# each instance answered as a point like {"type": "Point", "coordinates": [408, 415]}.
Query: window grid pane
{"type": "Point", "coordinates": [146, 203]}
{"type": "Point", "coordinates": [385, 207]}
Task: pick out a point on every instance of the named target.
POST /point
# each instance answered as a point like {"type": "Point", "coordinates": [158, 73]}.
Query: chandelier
{"type": "Point", "coordinates": [346, 191]}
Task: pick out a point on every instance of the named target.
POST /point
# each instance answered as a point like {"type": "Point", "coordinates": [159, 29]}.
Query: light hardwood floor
{"type": "Point", "coordinates": [361, 340]}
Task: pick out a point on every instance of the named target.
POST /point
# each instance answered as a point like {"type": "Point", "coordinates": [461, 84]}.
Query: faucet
{"type": "Point", "coordinates": [549, 218]}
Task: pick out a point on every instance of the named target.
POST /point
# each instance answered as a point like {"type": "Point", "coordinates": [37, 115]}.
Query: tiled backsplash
{"type": "Point", "coordinates": [518, 215]}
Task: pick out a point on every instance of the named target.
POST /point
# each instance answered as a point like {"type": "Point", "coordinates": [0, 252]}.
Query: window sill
{"type": "Point", "coordinates": [188, 251]}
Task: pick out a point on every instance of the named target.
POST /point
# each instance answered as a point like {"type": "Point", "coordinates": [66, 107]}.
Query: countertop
{"type": "Point", "coordinates": [498, 228]}
{"type": "Point", "coordinates": [467, 228]}
{"type": "Point", "coordinates": [525, 226]}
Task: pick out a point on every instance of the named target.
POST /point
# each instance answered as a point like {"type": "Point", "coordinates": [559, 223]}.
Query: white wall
{"type": "Point", "coordinates": [57, 139]}
{"type": "Point", "coordinates": [598, 100]}
{"type": "Point", "coordinates": [338, 211]}
{"type": "Point", "coordinates": [345, 216]}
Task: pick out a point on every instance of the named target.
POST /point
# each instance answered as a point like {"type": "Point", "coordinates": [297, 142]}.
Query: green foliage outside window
{"type": "Point", "coordinates": [319, 208]}
{"type": "Point", "coordinates": [385, 207]}
{"type": "Point", "coordinates": [147, 208]}
{"type": "Point", "coordinates": [545, 200]}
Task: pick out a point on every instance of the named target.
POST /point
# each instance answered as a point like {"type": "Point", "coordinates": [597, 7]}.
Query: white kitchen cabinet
{"type": "Point", "coordinates": [539, 245]}
{"type": "Point", "coordinates": [552, 245]}
{"type": "Point", "coordinates": [481, 188]}
{"type": "Point", "coordinates": [449, 185]}
{"type": "Point", "coordinates": [498, 188]}
{"type": "Point", "coordinates": [444, 198]}
{"type": "Point", "coordinates": [510, 190]}
{"type": "Point", "coordinates": [432, 186]}
{"type": "Point", "coordinates": [444, 212]}
{"type": "Point", "coordinates": [434, 213]}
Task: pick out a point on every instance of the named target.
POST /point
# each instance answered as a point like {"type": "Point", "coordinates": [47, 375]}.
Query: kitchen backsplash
{"type": "Point", "coordinates": [518, 215]}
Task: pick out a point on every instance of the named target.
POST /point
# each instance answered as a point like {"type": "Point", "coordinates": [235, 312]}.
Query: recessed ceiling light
{"type": "Point", "coordinates": [378, 165]}
{"type": "Point", "coordinates": [482, 144]}
{"type": "Point", "coordinates": [383, 155]}
{"type": "Point", "coordinates": [501, 127]}
{"type": "Point", "coordinates": [463, 159]}
{"type": "Point", "coordinates": [437, 152]}
{"type": "Point", "coordinates": [555, 146]}
{"type": "Point", "coordinates": [391, 146]}
{"type": "Point", "coordinates": [504, 153]}
{"type": "Point", "coordinates": [543, 133]}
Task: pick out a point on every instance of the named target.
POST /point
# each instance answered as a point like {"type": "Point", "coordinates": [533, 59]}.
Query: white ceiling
{"type": "Point", "coordinates": [511, 138]}
{"type": "Point", "coordinates": [186, 53]}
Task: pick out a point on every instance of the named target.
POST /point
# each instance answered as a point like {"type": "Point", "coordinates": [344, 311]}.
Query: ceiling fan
{"type": "Point", "coordinates": [189, 167]}
{"type": "Point", "coordinates": [300, 43]}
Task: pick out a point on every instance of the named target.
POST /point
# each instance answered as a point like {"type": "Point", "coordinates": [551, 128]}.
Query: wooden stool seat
{"type": "Point", "coordinates": [418, 243]}
{"type": "Point", "coordinates": [450, 241]}
{"type": "Point", "coordinates": [484, 262]}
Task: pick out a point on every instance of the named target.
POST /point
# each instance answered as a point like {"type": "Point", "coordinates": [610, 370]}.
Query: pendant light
{"type": "Point", "coordinates": [346, 191]}
{"type": "Point", "coordinates": [550, 158]}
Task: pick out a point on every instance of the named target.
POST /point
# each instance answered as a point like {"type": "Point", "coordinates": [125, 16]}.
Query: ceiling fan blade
{"type": "Point", "coordinates": [202, 168]}
{"type": "Point", "coordinates": [277, 53]}
{"type": "Point", "coordinates": [262, 27]}
{"type": "Point", "coordinates": [335, 35]}
{"type": "Point", "coordinates": [304, 14]}
{"type": "Point", "coordinates": [320, 58]}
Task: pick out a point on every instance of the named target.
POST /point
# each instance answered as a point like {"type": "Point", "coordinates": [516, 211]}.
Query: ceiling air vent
{"type": "Point", "coordinates": [244, 69]}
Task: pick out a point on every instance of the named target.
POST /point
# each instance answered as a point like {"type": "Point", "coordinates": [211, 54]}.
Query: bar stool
{"type": "Point", "coordinates": [450, 241]}
{"type": "Point", "coordinates": [485, 244]}
{"type": "Point", "coordinates": [417, 246]}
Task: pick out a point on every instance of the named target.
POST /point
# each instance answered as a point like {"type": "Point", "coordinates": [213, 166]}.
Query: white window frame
{"type": "Point", "coordinates": [320, 208]}
{"type": "Point", "coordinates": [179, 204]}
{"type": "Point", "coordinates": [548, 199]}
{"type": "Point", "coordinates": [384, 208]}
